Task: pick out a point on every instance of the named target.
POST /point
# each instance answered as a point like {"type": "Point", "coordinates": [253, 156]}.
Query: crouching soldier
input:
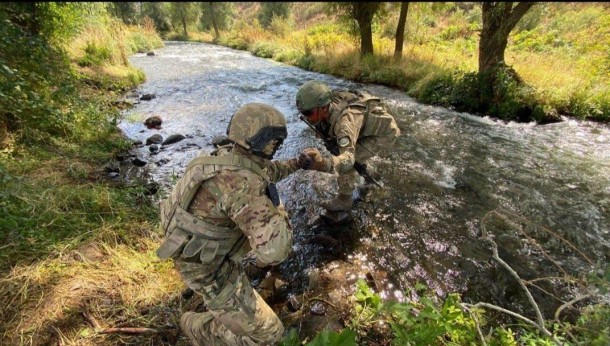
{"type": "Point", "coordinates": [223, 206]}
{"type": "Point", "coordinates": [359, 125]}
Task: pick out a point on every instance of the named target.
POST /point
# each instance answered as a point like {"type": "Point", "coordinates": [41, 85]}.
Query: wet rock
{"type": "Point", "coordinates": [133, 94]}
{"type": "Point", "coordinates": [336, 296]}
{"type": "Point", "coordinates": [112, 167]}
{"type": "Point", "coordinates": [153, 122]}
{"type": "Point", "coordinates": [153, 148]}
{"type": "Point", "coordinates": [318, 308]}
{"type": "Point", "coordinates": [154, 139]}
{"type": "Point", "coordinates": [139, 161]}
{"type": "Point", "coordinates": [187, 293]}
{"type": "Point", "coordinates": [123, 104]}
{"type": "Point", "coordinates": [334, 218]}
{"type": "Point", "coordinates": [151, 53]}
{"type": "Point", "coordinates": [314, 279]}
{"type": "Point", "coordinates": [280, 286]}
{"type": "Point", "coordinates": [148, 97]}
{"type": "Point", "coordinates": [123, 157]}
{"type": "Point", "coordinates": [294, 304]}
{"type": "Point", "coordinates": [266, 288]}
{"type": "Point", "coordinates": [137, 143]}
{"type": "Point", "coordinates": [324, 239]}
{"type": "Point", "coordinates": [161, 162]}
{"type": "Point", "coordinates": [173, 139]}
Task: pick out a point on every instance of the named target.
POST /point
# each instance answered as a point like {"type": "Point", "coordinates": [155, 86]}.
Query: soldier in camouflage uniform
{"type": "Point", "coordinates": [361, 124]}
{"type": "Point", "coordinates": [224, 206]}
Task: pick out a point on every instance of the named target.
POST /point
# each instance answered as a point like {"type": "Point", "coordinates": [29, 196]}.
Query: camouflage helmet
{"type": "Point", "coordinates": [256, 124]}
{"type": "Point", "coordinates": [313, 94]}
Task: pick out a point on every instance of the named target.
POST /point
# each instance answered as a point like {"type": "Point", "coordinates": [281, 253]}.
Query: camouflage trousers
{"type": "Point", "coordinates": [237, 315]}
{"type": "Point", "coordinates": [367, 148]}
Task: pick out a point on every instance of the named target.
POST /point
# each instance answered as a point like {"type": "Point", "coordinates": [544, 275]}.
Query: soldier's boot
{"type": "Point", "coordinates": [343, 202]}
{"type": "Point", "coordinates": [191, 324]}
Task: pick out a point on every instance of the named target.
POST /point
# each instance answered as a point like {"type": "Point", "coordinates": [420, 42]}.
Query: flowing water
{"type": "Point", "coordinates": [541, 192]}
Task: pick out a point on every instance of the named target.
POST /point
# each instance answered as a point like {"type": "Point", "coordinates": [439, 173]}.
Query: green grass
{"type": "Point", "coordinates": [559, 49]}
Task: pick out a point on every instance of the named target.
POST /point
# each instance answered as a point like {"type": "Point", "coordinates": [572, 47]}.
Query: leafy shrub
{"type": "Point", "coordinates": [305, 62]}
{"type": "Point", "coordinates": [437, 90]}
{"type": "Point", "coordinates": [269, 10]}
{"type": "Point", "coordinates": [265, 49]}
{"type": "Point", "coordinates": [452, 32]}
{"type": "Point", "coordinates": [281, 26]}
{"type": "Point", "coordinates": [95, 55]}
{"type": "Point", "coordinates": [288, 56]}
{"type": "Point", "coordinates": [35, 85]}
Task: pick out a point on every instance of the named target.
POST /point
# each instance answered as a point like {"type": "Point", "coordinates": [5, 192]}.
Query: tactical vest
{"type": "Point", "coordinates": [377, 116]}
{"type": "Point", "coordinates": [187, 235]}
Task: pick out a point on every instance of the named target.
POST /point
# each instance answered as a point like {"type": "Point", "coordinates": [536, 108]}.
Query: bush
{"type": "Point", "coordinates": [438, 90]}
{"type": "Point", "coordinates": [35, 85]}
{"type": "Point", "coordinates": [265, 49]}
{"type": "Point", "coordinates": [288, 56]}
{"type": "Point", "coordinates": [95, 55]}
{"type": "Point", "coordinates": [281, 26]}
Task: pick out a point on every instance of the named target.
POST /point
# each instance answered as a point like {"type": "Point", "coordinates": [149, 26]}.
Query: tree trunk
{"type": "Point", "coordinates": [364, 12]}
{"type": "Point", "coordinates": [366, 38]}
{"type": "Point", "coordinates": [400, 30]}
{"type": "Point", "coordinates": [499, 19]}
{"type": "Point", "coordinates": [216, 31]}
{"type": "Point", "coordinates": [184, 26]}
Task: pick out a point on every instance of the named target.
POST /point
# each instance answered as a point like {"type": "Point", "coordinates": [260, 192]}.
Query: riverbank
{"type": "Point", "coordinates": [79, 240]}
{"type": "Point", "coordinates": [564, 68]}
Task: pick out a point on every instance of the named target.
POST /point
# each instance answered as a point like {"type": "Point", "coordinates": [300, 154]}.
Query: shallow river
{"type": "Point", "coordinates": [542, 192]}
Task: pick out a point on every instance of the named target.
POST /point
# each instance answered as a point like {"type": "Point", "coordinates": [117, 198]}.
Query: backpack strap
{"type": "Point", "coordinates": [230, 161]}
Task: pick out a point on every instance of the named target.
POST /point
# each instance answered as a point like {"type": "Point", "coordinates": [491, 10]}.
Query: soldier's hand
{"type": "Point", "coordinates": [304, 161]}
{"type": "Point", "coordinates": [318, 163]}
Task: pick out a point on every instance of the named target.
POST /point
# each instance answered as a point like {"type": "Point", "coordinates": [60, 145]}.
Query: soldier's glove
{"type": "Point", "coordinates": [318, 163]}
{"type": "Point", "coordinates": [304, 161]}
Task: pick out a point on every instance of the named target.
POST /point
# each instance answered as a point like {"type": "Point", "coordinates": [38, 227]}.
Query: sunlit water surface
{"type": "Point", "coordinates": [542, 192]}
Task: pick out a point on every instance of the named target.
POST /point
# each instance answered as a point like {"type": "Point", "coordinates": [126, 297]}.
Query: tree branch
{"type": "Point", "coordinates": [517, 13]}
{"type": "Point", "coordinates": [521, 283]}
{"type": "Point", "coordinates": [126, 330]}
{"type": "Point", "coordinates": [514, 314]}
{"type": "Point", "coordinates": [569, 304]}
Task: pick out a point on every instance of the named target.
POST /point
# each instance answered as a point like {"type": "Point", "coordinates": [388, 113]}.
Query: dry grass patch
{"type": "Point", "coordinates": [116, 283]}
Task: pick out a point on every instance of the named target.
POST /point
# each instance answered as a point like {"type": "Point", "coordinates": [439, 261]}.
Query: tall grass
{"type": "Point", "coordinates": [560, 49]}
{"type": "Point", "coordinates": [72, 240]}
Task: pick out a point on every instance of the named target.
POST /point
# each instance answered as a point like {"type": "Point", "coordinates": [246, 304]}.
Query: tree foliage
{"type": "Point", "coordinates": [126, 11]}
{"type": "Point", "coordinates": [54, 22]}
{"type": "Point", "coordinates": [184, 14]}
{"type": "Point", "coordinates": [361, 13]}
{"type": "Point", "coordinates": [219, 14]}
{"type": "Point", "coordinates": [159, 12]}
{"type": "Point", "coordinates": [269, 10]}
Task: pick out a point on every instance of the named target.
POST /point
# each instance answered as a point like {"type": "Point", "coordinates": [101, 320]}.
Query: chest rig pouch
{"type": "Point", "coordinates": [188, 236]}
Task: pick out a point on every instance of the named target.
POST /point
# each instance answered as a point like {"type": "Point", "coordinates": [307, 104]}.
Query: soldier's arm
{"type": "Point", "coordinates": [267, 229]}
{"type": "Point", "coordinates": [346, 132]}
{"type": "Point", "coordinates": [280, 169]}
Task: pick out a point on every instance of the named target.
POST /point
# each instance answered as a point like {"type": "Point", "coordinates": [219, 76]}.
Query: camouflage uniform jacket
{"type": "Point", "coordinates": [351, 120]}
{"type": "Point", "coordinates": [233, 203]}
